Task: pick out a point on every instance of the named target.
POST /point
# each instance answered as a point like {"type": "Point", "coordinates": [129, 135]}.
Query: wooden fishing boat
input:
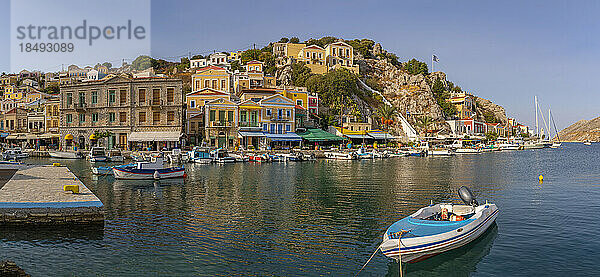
{"type": "Point", "coordinates": [438, 228]}
{"type": "Point", "coordinates": [148, 171]}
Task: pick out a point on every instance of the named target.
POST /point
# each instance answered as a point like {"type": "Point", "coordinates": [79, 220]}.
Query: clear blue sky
{"type": "Point", "coordinates": [505, 51]}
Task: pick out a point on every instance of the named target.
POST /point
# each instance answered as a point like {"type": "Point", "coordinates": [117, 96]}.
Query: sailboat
{"type": "Point", "coordinates": [556, 143]}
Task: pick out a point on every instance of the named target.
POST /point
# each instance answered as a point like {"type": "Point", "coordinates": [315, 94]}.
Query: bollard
{"type": "Point", "coordinates": [71, 188]}
{"type": "Point", "coordinates": [541, 178]}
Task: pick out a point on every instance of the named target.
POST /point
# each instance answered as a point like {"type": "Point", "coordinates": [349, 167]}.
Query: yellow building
{"type": "Point", "coordinates": [221, 123]}
{"type": "Point", "coordinates": [9, 92]}
{"type": "Point", "coordinates": [277, 115]}
{"type": "Point", "coordinates": [314, 58]}
{"type": "Point", "coordinates": [52, 116]}
{"type": "Point", "coordinates": [287, 49]}
{"type": "Point", "coordinates": [464, 104]}
{"type": "Point", "coordinates": [340, 55]}
{"type": "Point", "coordinates": [211, 77]}
{"type": "Point", "coordinates": [195, 111]}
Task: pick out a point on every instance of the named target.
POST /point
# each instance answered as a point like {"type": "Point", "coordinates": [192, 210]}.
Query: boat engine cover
{"type": "Point", "coordinates": [467, 196]}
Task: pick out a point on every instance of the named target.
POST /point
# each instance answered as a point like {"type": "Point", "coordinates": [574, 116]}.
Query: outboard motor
{"type": "Point", "coordinates": [467, 196]}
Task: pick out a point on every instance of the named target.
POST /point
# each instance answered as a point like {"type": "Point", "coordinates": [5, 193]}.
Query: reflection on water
{"type": "Point", "coordinates": [327, 217]}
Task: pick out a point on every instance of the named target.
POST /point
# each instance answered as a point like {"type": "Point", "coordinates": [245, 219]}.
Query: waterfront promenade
{"type": "Point", "coordinates": [35, 195]}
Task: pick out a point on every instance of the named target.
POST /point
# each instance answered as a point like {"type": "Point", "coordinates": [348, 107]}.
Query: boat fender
{"type": "Point", "coordinates": [444, 214]}
{"type": "Point", "coordinates": [156, 175]}
{"type": "Point", "coordinates": [467, 196]}
{"type": "Point", "coordinates": [456, 218]}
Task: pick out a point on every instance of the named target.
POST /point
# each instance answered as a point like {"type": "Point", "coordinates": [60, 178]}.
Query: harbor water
{"type": "Point", "coordinates": [325, 218]}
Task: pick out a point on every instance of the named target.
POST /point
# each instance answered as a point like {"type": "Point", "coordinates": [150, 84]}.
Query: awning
{"type": "Point", "coordinates": [16, 136]}
{"type": "Point", "coordinates": [31, 136]}
{"type": "Point", "coordinates": [154, 136]}
{"type": "Point", "coordinates": [358, 136]}
{"type": "Point", "coordinates": [3, 135]}
{"type": "Point", "coordinates": [283, 137]}
{"type": "Point", "coordinates": [93, 137]}
{"type": "Point", "coordinates": [316, 135]}
{"type": "Point", "coordinates": [381, 135]}
{"type": "Point", "coordinates": [12, 137]}
{"type": "Point", "coordinates": [69, 136]}
{"type": "Point", "coordinates": [251, 134]}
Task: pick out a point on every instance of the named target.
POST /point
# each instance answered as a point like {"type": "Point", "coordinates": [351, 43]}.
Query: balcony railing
{"type": "Point", "coordinates": [221, 123]}
{"type": "Point", "coordinates": [248, 124]}
{"type": "Point", "coordinates": [280, 118]}
{"type": "Point", "coordinates": [80, 106]}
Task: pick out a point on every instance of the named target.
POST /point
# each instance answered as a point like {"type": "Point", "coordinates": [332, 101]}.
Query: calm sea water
{"type": "Point", "coordinates": [325, 219]}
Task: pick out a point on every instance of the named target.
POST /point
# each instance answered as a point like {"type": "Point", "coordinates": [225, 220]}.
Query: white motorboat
{"type": "Point", "coordinates": [341, 155]}
{"type": "Point", "coordinates": [221, 156]}
{"type": "Point", "coordinates": [467, 151]}
{"type": "Point", "coordinates": [588, 143]}
{"type": "Point", "coordinates": [115, 155]}
{"type": "Point", "coordinates": [97, 154]}
{"type": "Point", "coordinates": [200, 156]}
{"type": "Point", "coordinates": [65, 155]}
{"type": "Point", "coordinates": [440, 152]}
{"type": "Point", "coordinates": [438, 228]}
{"type": "Point", "coordinates": [556, 144]}
{"type": "Point", "coordinates": [508, 146]}
{"type": "Point", "coordinates": [14, 154]}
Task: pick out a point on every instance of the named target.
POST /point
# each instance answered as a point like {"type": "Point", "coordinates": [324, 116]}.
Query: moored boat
{"type": "Point", "coordinates": [587, 142]}
{"type": "Point", "coordinates": [438, 228]}
{"type": "Point", "coordinates": [97, 154]}
{"type": "Point", "coordinates": [115, 155]}
{"type": "Point", "coordinates": [148, 171]}
{"type": "Point", "coordinates": [341, 155]}
{"type": "Point", "coordinates": [467, 151]}
{"type": "Point", "coordinates": [258, 158]}
{"type": "Point", "coordinates": [221, 156]}
{"type": "Point", "coordinates": [200, 156]}
{"type": "Point", "coordinates": [440, 152]}
{"type": "Point", "coordinates": [65, 155]}
{"type": "Point", "coordinates": [14, 154]}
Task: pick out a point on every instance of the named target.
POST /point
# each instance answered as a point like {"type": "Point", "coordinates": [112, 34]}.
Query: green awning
{"type": "Point", "coordinates": [315, 135]}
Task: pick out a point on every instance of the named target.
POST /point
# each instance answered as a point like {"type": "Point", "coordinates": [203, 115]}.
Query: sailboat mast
{"type": "Point", "coordinates": [537, 130]}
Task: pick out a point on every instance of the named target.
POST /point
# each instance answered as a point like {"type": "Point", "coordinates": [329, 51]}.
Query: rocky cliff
{"type": "Point", "coordinates": [582, 130]}
{"type": "Point", "coordinates": [484, 106]}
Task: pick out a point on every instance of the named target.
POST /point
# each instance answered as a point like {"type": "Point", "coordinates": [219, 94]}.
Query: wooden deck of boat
{"type": "Point", "coordinates": [35, 195]}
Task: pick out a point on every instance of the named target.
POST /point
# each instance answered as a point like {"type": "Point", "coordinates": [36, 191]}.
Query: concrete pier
{"type": "Point", "coordinates": [35, 195]}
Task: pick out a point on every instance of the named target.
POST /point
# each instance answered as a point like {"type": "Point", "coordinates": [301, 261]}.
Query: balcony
{"type": "Point", "coordinates": [249, 124]}
{"type": "Point", "coordinates": [277, 118]}
{"type": "Point", "coordinates": [221, 124]}
{"type": "Point", "coordinates": [80, 106]}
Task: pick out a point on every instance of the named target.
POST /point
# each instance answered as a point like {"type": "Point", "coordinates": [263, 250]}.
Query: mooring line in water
{"type": "Point", "coordinates": [372, 255]}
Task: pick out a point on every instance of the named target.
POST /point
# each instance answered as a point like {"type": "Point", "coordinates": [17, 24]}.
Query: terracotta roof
{"type": "Point", "coordinates": [208, 91]}
{"type": "Point", "coordinates": [209, 67]}
{"type": "Point", "coordinates": [254, 62]}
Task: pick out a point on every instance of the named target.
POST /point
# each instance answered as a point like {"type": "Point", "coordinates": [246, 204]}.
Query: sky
{"type": "Point", "coordinates": [505, 51]}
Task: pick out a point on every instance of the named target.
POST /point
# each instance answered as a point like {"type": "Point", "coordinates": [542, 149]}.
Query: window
{"type": "Point", "coordinates": [289, 113]}
{"type": "Point", "coordinates": [95, 97]}
{"type": "Point", "coordinates": [112, 96]}
{"type": "Point", "coordinates": [268, 112]}
{"type": "Point", "coordinates": [230, 116]}
{"type": "Point", "coordinates": [214, 84]}
{"type": "Point", "coordinates": [122, 116]}
{"type": "Point", "coordinates": [222, 116]}
{"type": "Point", "coordinates": [265, 127]}
{"type": "Point", "coordinates": [288, 127]}
{"type": "Point", "coordinates": [243, 116]}
{"type": "Point", "coordinates": [142, 96]}
{"type": "Point", "coordinates": [142, 117]}
{"type": "Point", "coordinates": [69, 99]}
{"type": "Point", "coordinates": [206, 83]}
{"type": "Point", "coordinates": [156, 117]}
{"type": "Point", "coordinates": [212, 115]}
{"type": "Point", "coordinates": [82, 98]}
{"type": "Point", "coordinates": [81, 118]}
{"type": "Point", "coordinates": [223, 85]}
{"type": "Point", "coordinates": [156, 96]}
{"type": "Point", "coordinates": [69, 118]}
{"type": "Point", "coordinates": [94, 117]}
{"type": "Point", "coordinates": [111, 117]}
{"type": "Point", "coordinates": [192, 103]}
{"type": "Point", "coordinates": [170, 95]}
{"type": "Point", "coordinates": [170, 116]}
{"type": "Point", "coordinates": [299, 102]}
{"type": "Point", "coordinates": [122, 96]}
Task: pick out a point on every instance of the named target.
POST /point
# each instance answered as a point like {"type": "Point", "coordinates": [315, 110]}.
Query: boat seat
{"type": "Point", "coordinates": [462, 210]}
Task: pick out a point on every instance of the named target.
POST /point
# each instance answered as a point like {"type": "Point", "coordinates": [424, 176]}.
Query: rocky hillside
{"type": "Point", "coordinates": [582, 130]}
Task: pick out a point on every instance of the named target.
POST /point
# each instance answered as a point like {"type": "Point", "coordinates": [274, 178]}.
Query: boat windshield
{"type": "Point", "coordinates": [446, 212]}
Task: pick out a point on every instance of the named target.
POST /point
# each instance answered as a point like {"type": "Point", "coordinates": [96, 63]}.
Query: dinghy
{"type": "Point", "coordinates": [438, 228]}
{"type": "Point", "coordinates": [65, 155]}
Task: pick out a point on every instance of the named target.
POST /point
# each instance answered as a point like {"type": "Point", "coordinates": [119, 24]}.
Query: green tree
{"type": "Point", "coordinates": [142, 63]}
{"type": "Point", "coordinates": [250, 55]}
{"type": "Point", "coordinates": [183, 64]}
{"type": "Point", "coordinates": [441, 96]}
{"type": "Point", "coordinates": [269, 62]}
{"type": "Point", "coordinates": [386, 114]}
{"type": "Point", "coordinates": [52, 89]}
{"type": "Point", "coordinates": [489, 117]}
{"type": "Point", "coordinates": [195, 57]}
{"type": "Point", "coordinates": [294, 40]}
{"type": "Point", "coordinates": [425, 123]}
{"type": "Point", "coordinates": [235, 65]}
{"type": "Point", "coordinates": [107, 64]}
{"type": "Point", "coordinates": [416, 67]}
{"type": "Point", "coordinates": [284, 40]}
{"type": "Point", "coordinates": [300, 73]}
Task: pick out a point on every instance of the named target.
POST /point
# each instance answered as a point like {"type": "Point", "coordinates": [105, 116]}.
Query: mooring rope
{"type": "Point", "coordinates": [372, 255]}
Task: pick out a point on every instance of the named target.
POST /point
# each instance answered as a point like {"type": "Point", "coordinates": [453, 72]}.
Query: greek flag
{"type": "Point", "coordinates": [435, 58]}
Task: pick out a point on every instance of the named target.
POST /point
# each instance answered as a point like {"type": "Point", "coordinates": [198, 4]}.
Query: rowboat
{"type": "Point", "coordinates": [148, 171]}
{"type": "Point", "coordinates": [438, 228]}
{"type": "Point", "coordinates": [65, 155]}
{"type": "Point", "coordinates": [108, 170]}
